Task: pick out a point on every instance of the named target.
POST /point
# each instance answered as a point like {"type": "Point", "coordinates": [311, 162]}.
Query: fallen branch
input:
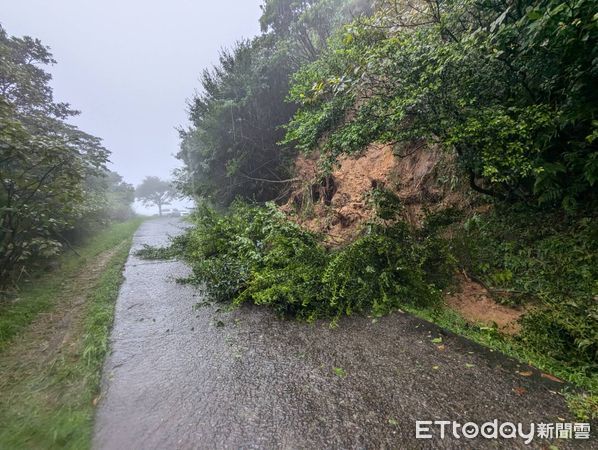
{"type": "Point", "coordinates": [264, 180]}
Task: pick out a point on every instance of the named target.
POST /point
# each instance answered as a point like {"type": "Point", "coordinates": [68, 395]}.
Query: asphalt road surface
{"type": "Point", "coordinates": [183, 375]}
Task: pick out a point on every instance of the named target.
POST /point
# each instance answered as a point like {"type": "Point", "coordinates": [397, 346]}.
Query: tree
{"type": "Point", "coordinates": [44, 162]}
{"type": "Point", "coordinates": [107, 198]}
{"type": "Point", "coordinates": [119, 197]}
{"type": "Point", "coordinates": [23, 81]}
{"type": "Point", "coordinates": [232, 148]}
{"type": "Point", "coordinates": [156, 192]}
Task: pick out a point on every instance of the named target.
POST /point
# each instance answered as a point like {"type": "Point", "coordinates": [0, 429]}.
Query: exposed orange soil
{"type": "Point", "coordinates": [338, 206]}
{"type": "Point", "coordinates": [474, 303]}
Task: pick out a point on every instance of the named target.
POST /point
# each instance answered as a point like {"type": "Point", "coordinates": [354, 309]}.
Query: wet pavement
{"type": "Point", "coordinates": [182, 375]}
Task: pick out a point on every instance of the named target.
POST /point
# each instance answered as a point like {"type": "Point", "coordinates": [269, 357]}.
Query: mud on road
{"type": "Point", "coordinates": [183, 375]}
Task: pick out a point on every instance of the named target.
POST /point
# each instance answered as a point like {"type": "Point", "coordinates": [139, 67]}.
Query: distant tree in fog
{"type": "Point", "coordinates": [155, 192]}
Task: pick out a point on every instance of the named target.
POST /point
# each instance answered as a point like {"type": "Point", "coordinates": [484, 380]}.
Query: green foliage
{"type": "Point", "coordinates": [232, 148]}
{"type": "Point", "coordinates": [377, 273]}
{"type": "Point", "coordinates": [339, 372]}
{"type": "Point", "coordinates": [386, 204]}
{"type": "Point", "coordinates": [52, 175]}
{"type": "Point", "coordinates": [583, 406]}
{"type": "Point", "coordinates": [254, 254]}
{"type": "Point", "coordinates": [549, 260]}
{"type": "Point", "coordinates": [289, 276]}
{"type": "Point", "coordinates": [510, 88]}
{"type": "Point", "coordinates": [303, 26]}
{"type": "Point", "coordinates": [157, 253]}
{"type": "Point", "coordinates": [106, 199]}
{"type": "Point", "coordinates": [505, 141]}
{"type": "Point", "coordinates": [119, 196]}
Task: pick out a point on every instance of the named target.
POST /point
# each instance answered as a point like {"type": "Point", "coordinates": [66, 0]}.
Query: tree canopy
{"type": "Point", "coordinates": [232, 147]}
{"type": "Point", "coordinates": [155, 192]}
{"type": "Point", "coordinates": [47, 166]}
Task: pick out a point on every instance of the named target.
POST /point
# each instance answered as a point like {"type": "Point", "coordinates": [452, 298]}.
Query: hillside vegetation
{"type": "Point", "coordinates": [494, 101]}
{"type": "Point", "coordinates": [55, 188]}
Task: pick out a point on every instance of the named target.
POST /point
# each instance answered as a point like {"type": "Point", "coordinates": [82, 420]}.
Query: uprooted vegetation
{"type": "Point", "coordinates": [254, 254]}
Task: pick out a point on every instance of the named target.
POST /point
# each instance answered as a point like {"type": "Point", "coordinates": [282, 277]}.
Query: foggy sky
{"type": "Point", "coordinates": [130, 65]}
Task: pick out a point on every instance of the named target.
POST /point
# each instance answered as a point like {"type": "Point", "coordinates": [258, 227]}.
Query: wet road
{"type": "Point", "coordinates": [182, 376]}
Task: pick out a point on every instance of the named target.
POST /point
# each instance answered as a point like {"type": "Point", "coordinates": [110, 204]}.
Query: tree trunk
{"type": "Point", "coordinates": [160, 209]}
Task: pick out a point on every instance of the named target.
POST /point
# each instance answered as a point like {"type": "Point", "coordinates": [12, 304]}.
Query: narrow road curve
{"type": "Point", "coordinates": [185, 376]}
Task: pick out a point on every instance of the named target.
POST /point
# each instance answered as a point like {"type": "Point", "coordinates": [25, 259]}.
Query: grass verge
{"type": "Point", "coordinates": [37, 295]}
{"type": "Point", "coordinates": [50, 373]}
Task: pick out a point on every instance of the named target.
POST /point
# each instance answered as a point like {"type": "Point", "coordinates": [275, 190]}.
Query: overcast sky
{"type": "Point", "coordinates": [130, 65]}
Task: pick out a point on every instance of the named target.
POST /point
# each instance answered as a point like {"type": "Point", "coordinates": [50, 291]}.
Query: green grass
{"type": "Point", "coordinates": [51, 405]}
{"type": "Point", "coordinates": [584, 405]}
{"type": "Point", "coordinates": [36, 296]}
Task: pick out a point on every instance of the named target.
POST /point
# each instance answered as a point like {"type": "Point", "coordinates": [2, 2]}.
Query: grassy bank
{"type": "Point", "coordinates": [37, 295]}
{"type": "Point", "coordinates": [50, 371]}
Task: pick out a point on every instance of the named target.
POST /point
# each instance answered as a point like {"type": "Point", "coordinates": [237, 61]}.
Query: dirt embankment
{"type": "Point", "coordinates": [424, 179]}
{"type": "Point", "coordinates": [338, 206]}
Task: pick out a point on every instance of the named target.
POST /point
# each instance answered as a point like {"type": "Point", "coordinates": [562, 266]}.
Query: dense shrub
{"type": "Point", "coordinates": [377, 272]}
{"type": "Point", "coordinates": [255, 254]}
{"type": "Point", "coordinates": [252, 254]}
